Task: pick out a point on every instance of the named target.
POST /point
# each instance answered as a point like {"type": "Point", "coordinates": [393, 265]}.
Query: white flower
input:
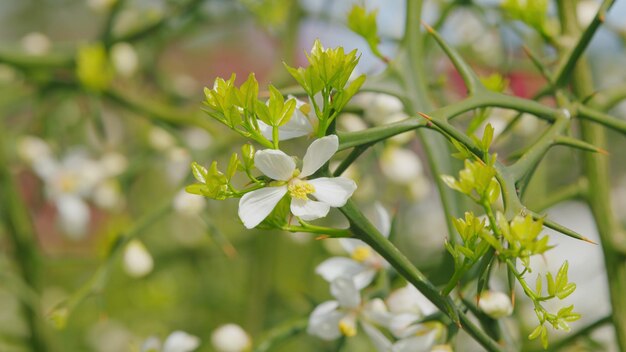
{"type": "Point", "coordinates": [124, 58]}
{"type": "Point", "coordinates": [364, 262]}
{"type": "Point", "coordinates": [379, 107]}
{"type": "Point", "coordinates": [332, 319]}
{"type": "Point", "coordinates": [586, 10]}
{"type": "Point", "coordinates": [137, 260]}
{"type": "Point", "coordinates": [231, 338]}
{"type": "Point", "coordinates": [407, 306]}
{"type": "Point", "coordinates": [160, 139]}
{"type": "Point", "coordinates": [255, 206]}
{"type": "Point", "coordinates": [107, 195]}
{"type": "Point", "coordinates": [177, 341]}
{"type": "Point", "coordinates": [180, 341]}
{"type": "Point", "coordinates": [36, 43]}
{"type": "Point", "coordinates": [351, 122]}
{"type": "Point", "coordinates": [74, 215]}
{"type": "Point", "coordinates": [301, 123]}
{"type": "Point", "coordinates": [31, 149]}
{"type": "Point", "coordinates": [188, 204]}
{"type": "Point", "coordinates": [400, 165]}
{"type": "Point", "coordinates": [495, 304]}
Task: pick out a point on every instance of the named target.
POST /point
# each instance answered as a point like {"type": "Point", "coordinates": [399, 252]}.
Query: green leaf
{"type": "Point", "coordinates": [364, 24]}
{"type": "Point", "coordinates": [197, 188]}
{"type": "Point", "coordinates": [561, 276]}
{"type": "Point", "coordinates": [247, 155]}
{"type": "Point", "coordinates": [249, 93]}
{"type": "Point", "coordinates": [566, 290]}
{"type": "Point", "coordinates": [199, 172]}
{"type": "Point", "coordinates": [535, 333]}
{"type": "Point", "coordinates": [232, 166]}
{"type": "Point", "coordinates": [538, 285]}
{"type": "Point", "coordinates": [551, 284]}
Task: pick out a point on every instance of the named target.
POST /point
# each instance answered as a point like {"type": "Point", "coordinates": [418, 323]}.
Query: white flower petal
{"type": "Point", "coordinates": [324, 321]}
{"type": "Point", "coordinates": [230, 338]}
{"type": "Point", "coordinates": [255, 206]}
{"type": "Point", "coordinates": [364, 278]}
{"type": "Point", "coordinates": [350, 244]}
{"type": "Point", "coordinates": [409, 300]}
{"type": "Point", "coordinates": [309, 209]}
{"type": "Point", "coordinates": [74, 216]}
{"type": "Point", "coordinates": [401, 325]}
{"type": "Point", "coordinates": [346, 293]}
{"type": "Point", "coordinates": [380, 341]}
{"type": "Point", "coordinates": [180, 341]}
{"type": "Point", "coordinates": [336, 267]}
{"type": "Point", "coordinates": [137, 260]}
{"type": "Point", "coordinates": [415, 343]}
{"type": "Point", "coordinates": [275, 164]}
{"type": "Point", "coordinates": [318, 153]}
{"type": "Point", "coordinates": [333, 191]}
{"type": "Point", "coordinates": [381, 219]}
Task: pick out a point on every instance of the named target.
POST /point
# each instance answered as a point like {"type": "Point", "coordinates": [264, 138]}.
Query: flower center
{"type": "Point", "coordinates": [346, 328]}
{"type": "Point", "coordinates": [300, 189]}
{"type": "Point", "coordinates": [361, 253]}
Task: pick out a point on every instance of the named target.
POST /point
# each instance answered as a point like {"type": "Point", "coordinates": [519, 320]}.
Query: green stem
{"type": "Point", "coordinates": [279, 334]}
{"type": "Point", "coordinates": [21, 235]}
{"type": "Point", "coordinates": [596, 170]}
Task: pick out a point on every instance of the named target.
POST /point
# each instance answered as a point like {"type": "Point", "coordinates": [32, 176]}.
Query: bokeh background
{"type": "Point", "coordinates": [94, 164]}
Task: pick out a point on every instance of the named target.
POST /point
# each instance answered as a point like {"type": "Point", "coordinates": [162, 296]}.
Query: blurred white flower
{"type": "Point", "coordinates": [332, 319]}
{"type": "Point", "coordinates": [197, 138]}
{"type": "Point", "coordinates": [124, 59]}
{"type": "Point", "coordinates": [378, 107]}
{"type": "Point", "coordinates": [400, 165]}
{"type": "Point", "coordinates": [180, 341]}
{"type": "Point", "coordinates": [107, 195]}
{"type": "Point", "coordinates": [364, 262]}
{"type": "Point", "coordinates": [586, 10]}
{"type": "Point", "coordinates": [441, 348]}
{"type": "Point", "coordinates": [160, 139]}
{"type": "Point", "coordinates": [188, 204]}
{"type": "Point", "coordinates": [74, 215]}
{"type": "Point", "coordinates": [36, 43]}
{"type": "Point", "coordinates": [177, 341]}
{"type": "Point", "coordinates": [419, 188]}
{"type": "Point", "coordinates": [137, 260]}
{"type": "Point", "coordinates": [495, 304]}
{"type": "Point", "coordinates": [178, 160]}
{"type": "Point", "coordinates": [231, 338]}
{"type": "Point", "coordinates": [302, 123]}
{"type": "Point", "coordinates": [350, 122]}
{"type": "Point", "coordinates": [329, 192]}
{"type": "Point", "coordinates": [30, 149]}
{"type": "Point", "coordinates": [113, 164]}
{"type": "Point", "coordinates": [185, 85]}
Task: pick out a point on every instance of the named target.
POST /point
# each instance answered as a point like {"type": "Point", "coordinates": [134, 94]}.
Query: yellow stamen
{"type": "Point", "coordinates": [361, 253]}
{"type": "Point", "coordinates": [347, 329]}
{"type": "Point", "coordinates": [300, 189]}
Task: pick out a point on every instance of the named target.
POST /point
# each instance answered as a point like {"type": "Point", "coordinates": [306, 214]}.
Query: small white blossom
{"type": "Point", "coordinates": [137, 260]}
{"type": "Point", "coordinates": [231, 338]}
{"type": "Point", "coordinates": [364, 262]}
{"type": "Point", "coordinates": [333, 319]}
{"type": "Point", "coordinates": [31, 149]}
{"type": "Point", "coordinates": [36, 43]}
{"type": "Point", "coordinates": [177, 341]}
{"type": "Point", "coordinates": [124, 59]}
{"type": "Point", "coordinates": [188, 204]}
{"type": "Point", "coordinates": [160, 139]}
{"type": "Point", "coordinates": [400, 165]}
{"type": "Point", "coordinates": [495, 304]}
{"type": "Point", "coordinates": [255, 206]}
{"type": "Point", "coordinates": [586, 10]}
{"type": "Point", "coordinates": [350, 122]}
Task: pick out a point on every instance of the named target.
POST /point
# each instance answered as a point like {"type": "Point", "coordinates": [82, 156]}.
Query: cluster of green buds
{"type": "Point", "coordinates": [560, 288]}
{"type": "Point", "coordinates": [217, 185]}
{"type": "Point", "coordinates": [507, 240]}
{"type": "Point", "coordinates": [533, 13]}
{"type": "Point", "coordinates": [327, 81]}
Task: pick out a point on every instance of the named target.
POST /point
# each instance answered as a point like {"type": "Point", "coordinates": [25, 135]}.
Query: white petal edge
{"type": "Point", "coordinates": [346, 293]}
{"type": "Point", "coordinates": [275, 164]}
{"type": "Point", "coordinates": [334, 191]}
{"type": "Point", "coordinates": [318, 153]}
{"type": "Point", "coordinates": [381, 219]}
{"type": "Point", "coordinates": [324, 321]}
{"type": "Point", "coordinates": [255, 206]}
{"type": "Point", "coordinates": [379, 340]}
{"type": "Point", "coordinates": [180, 341]}
{"type": "Point", "coordinates": [351, 244]}
{"type": "Point", "coordinates": [335, 267]}
{"type": "Point", "coordinates": [308, 210]}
